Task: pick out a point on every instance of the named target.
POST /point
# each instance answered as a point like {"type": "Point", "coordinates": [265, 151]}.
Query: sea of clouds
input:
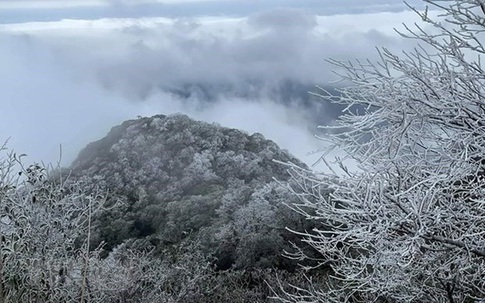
{"type": "Point", "coordinates": [66, 82]}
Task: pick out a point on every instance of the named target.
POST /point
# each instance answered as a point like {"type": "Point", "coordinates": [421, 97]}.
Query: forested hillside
{"type": "Point", "coordinates": [174, 179]}
{"type": "Point", "coordinates": [162, 209]}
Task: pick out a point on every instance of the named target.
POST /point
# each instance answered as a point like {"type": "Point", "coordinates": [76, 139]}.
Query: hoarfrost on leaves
{"type": "Point", "coordinates": [409, 225]}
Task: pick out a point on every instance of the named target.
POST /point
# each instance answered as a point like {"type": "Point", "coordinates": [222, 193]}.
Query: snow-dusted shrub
{"type": "Point", "coordinates": [45, 227]}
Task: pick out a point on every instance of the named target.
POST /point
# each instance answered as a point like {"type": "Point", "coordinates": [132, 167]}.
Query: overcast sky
{"type": "Point", "coordinates": [49, 10]}
{"type": "Point", "coordinates": [70, 70]}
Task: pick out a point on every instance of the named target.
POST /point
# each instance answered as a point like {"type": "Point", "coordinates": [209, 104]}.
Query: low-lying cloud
{"type": "Point", "coordinates": [68, 82]}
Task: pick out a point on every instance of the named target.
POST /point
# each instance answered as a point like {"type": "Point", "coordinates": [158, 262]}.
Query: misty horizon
{"type": "Point", "coordinates": [69, 77]}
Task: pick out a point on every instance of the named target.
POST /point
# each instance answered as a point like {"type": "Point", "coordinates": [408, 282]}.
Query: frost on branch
{"type": "Point", "coordinates": [409, 225]}
{"type": "Point", "coordinates": [45, 253]}
{"type": "Point", "coordinates": [44, 225]}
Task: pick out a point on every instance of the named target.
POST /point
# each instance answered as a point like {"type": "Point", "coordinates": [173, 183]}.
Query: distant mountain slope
{"type": "Point", "coordinates": [180, 180]}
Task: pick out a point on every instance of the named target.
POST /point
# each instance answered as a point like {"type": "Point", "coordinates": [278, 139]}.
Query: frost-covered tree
{"type": "Point", "coordinates": [45, 229]}
{"type": "Point", "coordinates": [45, 253]}
{"type": "Point", "coordinates": [409, 224]}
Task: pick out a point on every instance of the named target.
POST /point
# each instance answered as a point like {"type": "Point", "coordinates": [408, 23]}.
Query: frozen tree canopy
{"type": "Point", "coordinates": [163, 209]}
{"type": "Point", "coordinates": [176, 179]}
{"type": "Point", "coordinates": [409, 225]}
